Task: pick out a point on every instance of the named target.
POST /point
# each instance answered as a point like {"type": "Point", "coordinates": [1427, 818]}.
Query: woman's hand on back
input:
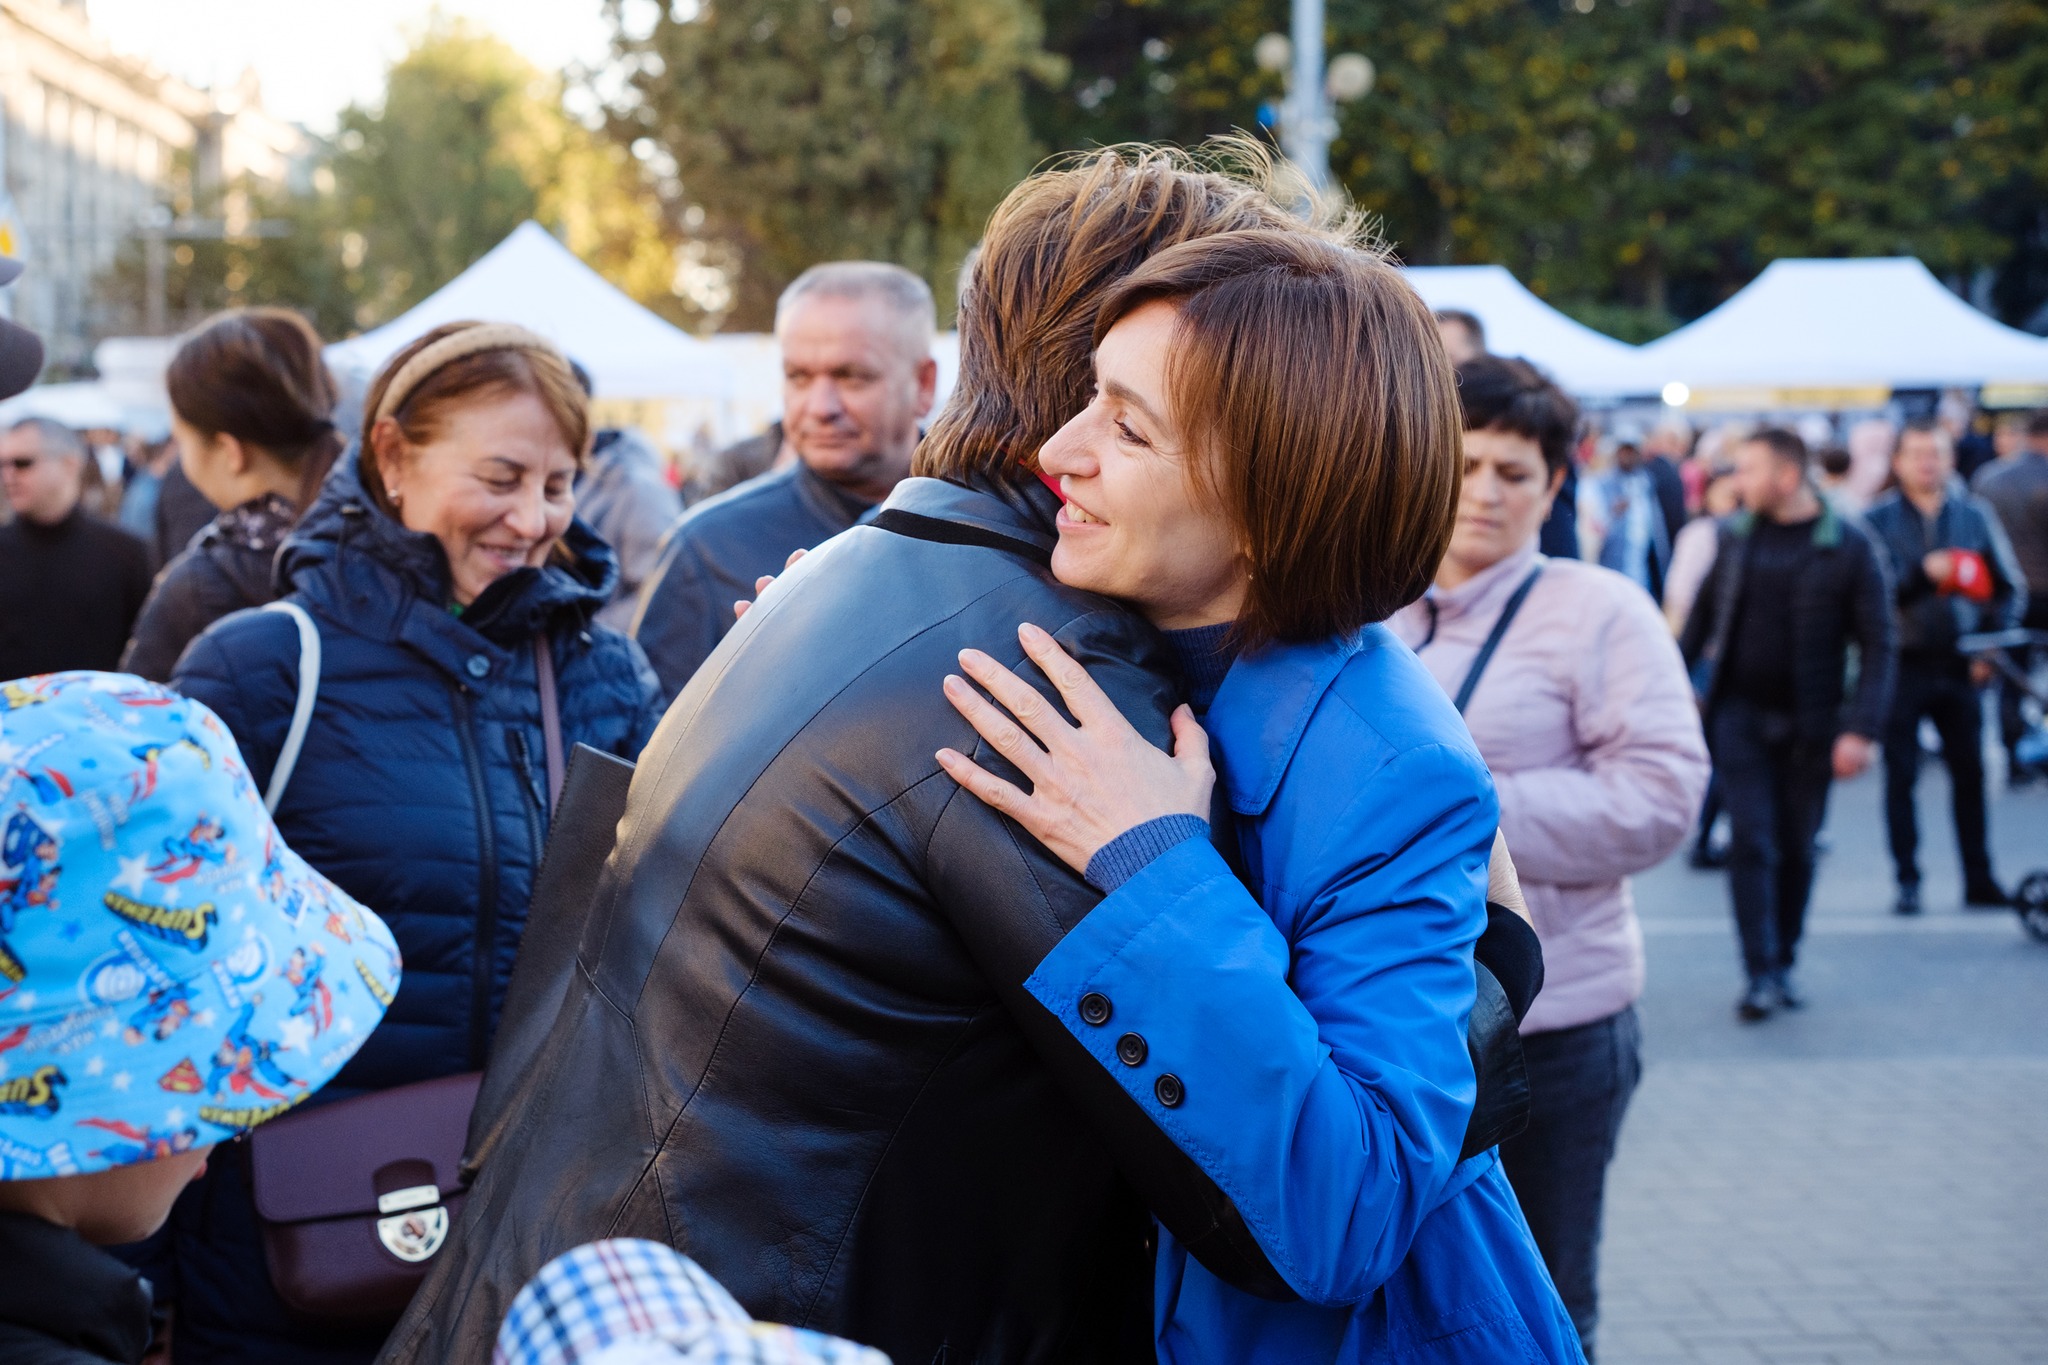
{"type": "Point", "coordinates": [741, 607]}
{"type": "Point", "coordinates": [1089, 783]}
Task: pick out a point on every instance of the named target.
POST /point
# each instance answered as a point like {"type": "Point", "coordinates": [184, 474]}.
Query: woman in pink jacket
{"type": "Point", "coordinates": [1579, 702]}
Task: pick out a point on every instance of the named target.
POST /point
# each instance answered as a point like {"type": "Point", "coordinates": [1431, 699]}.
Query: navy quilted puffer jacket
{"type": "Point", "coordinates": [421, 789]}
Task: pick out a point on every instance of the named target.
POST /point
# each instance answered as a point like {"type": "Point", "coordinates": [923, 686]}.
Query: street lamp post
{"type": "Point", "coordinates": [1308, 116]}
{"type": "Point", "coordinates": [1306, 122]}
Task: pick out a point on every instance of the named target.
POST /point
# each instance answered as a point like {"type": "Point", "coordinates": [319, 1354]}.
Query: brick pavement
{"type": "Point", "coordinates": [1866, 1180]}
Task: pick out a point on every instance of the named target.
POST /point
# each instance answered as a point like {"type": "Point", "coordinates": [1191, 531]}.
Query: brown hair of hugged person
{"type": "Point", "coordinates": [1054, 248]}
{"type": "Point", "coordinates": [1320, 413]}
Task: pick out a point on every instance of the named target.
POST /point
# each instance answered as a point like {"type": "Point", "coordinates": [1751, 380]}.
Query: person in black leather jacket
{"type": "Point", "coordinates": [252, 404]}
{"type": "Point", "coordinates": [797, 1044]}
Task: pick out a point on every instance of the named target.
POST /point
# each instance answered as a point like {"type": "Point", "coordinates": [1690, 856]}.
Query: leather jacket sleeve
{"type": "Point", "coordinates": [1012, 902]}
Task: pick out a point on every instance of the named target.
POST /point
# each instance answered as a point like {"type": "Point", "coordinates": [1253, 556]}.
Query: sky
{"type": "Point", "coordinates": [314, 56]}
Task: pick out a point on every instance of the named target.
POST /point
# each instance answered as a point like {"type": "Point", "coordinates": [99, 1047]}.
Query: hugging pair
{"type": "Point", "coordinates": [896, 1049]}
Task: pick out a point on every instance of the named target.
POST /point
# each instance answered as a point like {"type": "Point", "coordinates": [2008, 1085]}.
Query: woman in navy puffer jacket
{"type": "Point", "coordinates": [430, 566]}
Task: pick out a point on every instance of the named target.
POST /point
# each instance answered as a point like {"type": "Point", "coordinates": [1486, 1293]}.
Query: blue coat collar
{"type": "Point", "coordinates": [1263, 708]}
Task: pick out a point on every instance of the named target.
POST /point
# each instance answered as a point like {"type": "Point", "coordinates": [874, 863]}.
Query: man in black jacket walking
{"type": "Point", "coordinates": [1793, 585]}
{"type": "Point", "coordinates": [1953, 572]}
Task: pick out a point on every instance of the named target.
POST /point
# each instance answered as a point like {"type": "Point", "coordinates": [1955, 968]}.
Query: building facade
{"type": "Point", "coordinates": [99, 151]}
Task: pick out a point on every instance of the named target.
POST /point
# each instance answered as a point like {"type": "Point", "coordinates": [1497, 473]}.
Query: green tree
{"type": "Point", "coordinates": [1634, 160]}
{"type": "Point", "coordinates": [796, 131]}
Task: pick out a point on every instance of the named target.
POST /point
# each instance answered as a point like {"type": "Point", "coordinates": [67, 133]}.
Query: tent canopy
{"type": "Point", "coordinates": [535, 281]}
{"type": "Point", "coordinates": [1588, 363]}
{"type": "Point", "coordinates": [82, 405]}
{"type": "Point", "coordinates": [1844, 324]}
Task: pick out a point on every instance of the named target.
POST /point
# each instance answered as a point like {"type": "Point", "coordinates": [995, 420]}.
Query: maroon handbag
{"type": "Point", "coordinates": [355, 1198]}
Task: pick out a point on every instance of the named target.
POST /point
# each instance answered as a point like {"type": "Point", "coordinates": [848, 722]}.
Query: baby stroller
{"type": "Point", "coordinates": [2008, 651]}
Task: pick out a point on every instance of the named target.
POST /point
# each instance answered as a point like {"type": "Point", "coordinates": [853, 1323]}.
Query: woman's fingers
{"type": "Point", "coordinates": [1191, 742]}
{"type": "Point", "coordinates": [998, 729]}
{"type": "Point", "coordinates": [1088, 702]}
{"type": "Point", "coordinates": [992, 790]}
{"type": "Point", "coordinates": [741, 607]}
{"type": "Point", "coordinates": [1024, 701]}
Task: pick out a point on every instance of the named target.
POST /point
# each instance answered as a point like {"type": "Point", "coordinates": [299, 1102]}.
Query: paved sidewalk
{"type": "Point", "coordinates": [1867, 1179]}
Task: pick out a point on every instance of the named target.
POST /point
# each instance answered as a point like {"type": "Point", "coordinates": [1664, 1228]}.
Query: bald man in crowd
{"type": "Point", "coordinates": [857, 379]}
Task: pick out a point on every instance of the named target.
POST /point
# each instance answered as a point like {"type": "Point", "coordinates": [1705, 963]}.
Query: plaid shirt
{"type": "Point", "coordinates": [629, 1302]}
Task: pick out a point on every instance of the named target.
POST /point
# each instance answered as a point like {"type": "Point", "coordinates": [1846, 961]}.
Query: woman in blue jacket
{"type": "Point", "coordinates": [436, 564]}
{"type": "Point", "coordinates": [1269, 468]}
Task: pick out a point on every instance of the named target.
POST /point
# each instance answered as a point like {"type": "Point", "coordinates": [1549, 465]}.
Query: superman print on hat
{"type": "Point", "coordinates": [167, 974]}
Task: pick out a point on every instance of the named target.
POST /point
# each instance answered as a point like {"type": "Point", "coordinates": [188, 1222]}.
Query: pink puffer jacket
{"type": "Point", "coordinates": [1587, 720]}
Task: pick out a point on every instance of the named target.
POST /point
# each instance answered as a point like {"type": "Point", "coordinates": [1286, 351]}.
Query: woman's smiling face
{"type": "Point", "coordinates": [1135, 526]}
{"type": "Point", "coordinates": [495, 485]}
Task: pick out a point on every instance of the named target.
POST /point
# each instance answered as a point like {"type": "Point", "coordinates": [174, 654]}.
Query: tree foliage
{"type": "Point", "coordinates": [1636, 160]}
{"type": "Point", "coordinates": [797, 131]}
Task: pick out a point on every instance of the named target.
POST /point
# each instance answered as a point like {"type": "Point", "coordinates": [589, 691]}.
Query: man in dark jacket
{"type": "Point", "coordinates": [70, 583]}
{"type": "Point", "coordinates": [2016, 487]}
{"type": "Point", "coordinates": [797, 1043]}
{"type": "Point", "coordinates": [857, 378]}
{"type": "Point", "coordinates": [1793, 585]}
{"type": "Point", "coordinates": [1953, 573]}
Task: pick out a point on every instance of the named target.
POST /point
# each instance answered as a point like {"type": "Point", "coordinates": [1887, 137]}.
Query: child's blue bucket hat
{"type": "Point", "coordinates": [171, 974]}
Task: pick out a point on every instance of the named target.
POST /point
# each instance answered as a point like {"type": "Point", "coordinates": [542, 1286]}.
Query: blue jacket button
{"type": "Point", "coordinates": [478, 665]}
{"type": "Point", "coordinates": [1131, 1049]}
{"type": "Point", "coordinates": [1095, 1008]}
{"type": "Point", "coordinates": [1169, 1090]}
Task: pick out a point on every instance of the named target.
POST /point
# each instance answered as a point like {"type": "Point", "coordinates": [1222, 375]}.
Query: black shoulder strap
{"type": "Point", "coordinates": [1500, 628]}
{"type": "Point", "coordinates": [920, 527]}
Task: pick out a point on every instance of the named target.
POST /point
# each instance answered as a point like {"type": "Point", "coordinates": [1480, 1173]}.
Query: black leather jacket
{"type": "Point", "coordinates": [797, 1044]}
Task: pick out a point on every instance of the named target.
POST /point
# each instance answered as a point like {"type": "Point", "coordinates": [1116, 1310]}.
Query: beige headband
{"type": "Point", "coordinates": [488, 336]}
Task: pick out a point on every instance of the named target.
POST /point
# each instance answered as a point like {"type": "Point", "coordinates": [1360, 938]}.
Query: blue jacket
{"type": "Point", "coordinates": [421, 787]}
{"type": "Point", "coordinates": [1315, 1035]}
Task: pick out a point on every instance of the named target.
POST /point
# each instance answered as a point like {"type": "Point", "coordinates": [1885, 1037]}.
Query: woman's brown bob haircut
{"type": "Point", "coordinates": [468, 380]}
{"type": "Point", "coordinates": [1054, 247]}
{"type": "Point", "coordinates": [1317, 408]}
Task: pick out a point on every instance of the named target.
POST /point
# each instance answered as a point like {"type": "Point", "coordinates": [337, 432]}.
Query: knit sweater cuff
{"type": "Point", "coordinates": [1125, 856]}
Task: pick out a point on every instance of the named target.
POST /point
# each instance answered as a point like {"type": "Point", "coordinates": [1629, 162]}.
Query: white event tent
{"type": "Point", "coordinates": [1812, 328]}
{"type": "Point", "coordinates": [1587, 363]}
{"type": "Point", "coordinates": [532, 279]}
